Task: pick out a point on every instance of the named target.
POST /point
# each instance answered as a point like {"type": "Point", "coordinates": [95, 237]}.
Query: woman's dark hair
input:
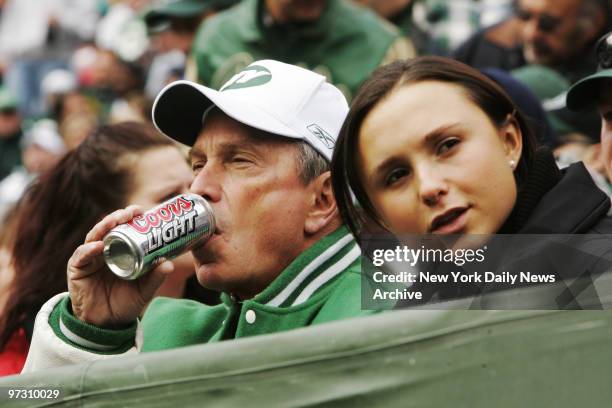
{"type": "Point", "coordinates": [485, 93]}
{"type": "Point", "coordinates": [58, 210]}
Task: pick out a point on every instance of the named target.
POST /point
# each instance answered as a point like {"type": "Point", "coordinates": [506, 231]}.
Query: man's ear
{"type": "Point", "coordinates": [322, 210]}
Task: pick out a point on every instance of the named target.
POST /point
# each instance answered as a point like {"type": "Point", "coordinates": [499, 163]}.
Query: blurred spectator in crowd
{"type": "Point", "coordinates": [112, 168]}
{"type": "Point", "coordinates": [42, 148]}
{"type": "Point", "coordinates": [494, 11]}
{"type": "Point", "coordinates": [122, 31]}
{"type": "Point", "coordinates": [596, 90]}
{"type": "Point", "coordinates": [10, 132]}
{"type": "Point", "coordinates": [55, 87]}
{"type": "Point", "coordinates": [440, 26]}
{"type": "Point", "coordinates": [556, 33]}
{"type": "Point", "coordinates": [172, 27]}
{"type": "Point", "coordinates": [74, 113]}
{"type": "Point", "coordinates": [118, 85]}
{"type": "Point", "coordinates": [498, 46]}
{"type": "Point", "coordinates": [116, 79]}
{"type": "Point", "coordinates": [37, 36]}
{"type": "Point", "coordinates": [434, 26]}
{"type": "Point", "coordinates": [338, 39]}
{"type": "Point", "coordinates": [561, 34]}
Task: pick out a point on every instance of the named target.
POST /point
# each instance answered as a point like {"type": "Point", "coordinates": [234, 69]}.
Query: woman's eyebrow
{"type": "Point", "coordinates": [429, 139]}
{"type": "Point", "coordinates": [383, 167]}
{"type": "Point", "coordinates": [432, 136]}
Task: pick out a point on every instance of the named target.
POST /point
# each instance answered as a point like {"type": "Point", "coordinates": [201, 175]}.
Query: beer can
{"type": "Point", "coordinates": [163, 232]}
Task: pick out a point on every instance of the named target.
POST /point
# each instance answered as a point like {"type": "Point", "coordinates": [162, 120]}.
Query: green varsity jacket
{"type": "Point", "coordinates": [321, 285]}
{"type": "Point", "coordinates": [345, 45]}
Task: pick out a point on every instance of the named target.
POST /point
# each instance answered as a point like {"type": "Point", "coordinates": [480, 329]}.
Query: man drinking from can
{"type": "Point", "coordinates": [260, 149]}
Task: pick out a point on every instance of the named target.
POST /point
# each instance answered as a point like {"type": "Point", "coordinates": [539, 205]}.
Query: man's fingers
{"type": "Point", "coordinates": [87, 255]}
{"type": "Point", "coordinates": [111, 221]}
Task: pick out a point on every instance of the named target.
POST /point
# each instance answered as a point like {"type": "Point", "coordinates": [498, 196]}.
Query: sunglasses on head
{"type": "Point", "coordinates": [604, 52]}
{"type": "Point", "coordinates": [546, 23]}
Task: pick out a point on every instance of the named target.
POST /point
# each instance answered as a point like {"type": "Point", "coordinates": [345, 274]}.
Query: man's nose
{"type": "Point", "coordinates": [531, 31]}
{"type": "Point", "coordinates": [207, 183]}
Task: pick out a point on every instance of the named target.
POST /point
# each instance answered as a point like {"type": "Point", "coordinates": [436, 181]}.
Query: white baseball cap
{"type": "Point", "coordinates": [272, 96]}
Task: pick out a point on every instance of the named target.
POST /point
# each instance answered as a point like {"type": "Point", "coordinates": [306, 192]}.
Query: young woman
{"type": "Point", "coordinates": [432, 146]}
{"type": "Point", "coordinates": [128, 163]}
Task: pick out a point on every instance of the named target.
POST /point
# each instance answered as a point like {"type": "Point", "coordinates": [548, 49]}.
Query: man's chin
{"type": "Point", "coordinates": [210, 277]}
{"type": "Point", "coordinates": [539, 58]}
{"type": "Point", "coordinates": [530, 56]}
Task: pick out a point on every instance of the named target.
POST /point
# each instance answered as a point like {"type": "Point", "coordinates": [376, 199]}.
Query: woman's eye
{"type": "Point", "coordinates": [447, 144]}
{"type": "Point", "coordinates": [196, 167]}
{"type": "Point", "coordinates": [395, 176]}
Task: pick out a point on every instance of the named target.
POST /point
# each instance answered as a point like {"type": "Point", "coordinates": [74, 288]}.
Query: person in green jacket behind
{"type": "Point", "coordinates": [260, 152]}
{"type": "Point", "coordinates": [336, 38]}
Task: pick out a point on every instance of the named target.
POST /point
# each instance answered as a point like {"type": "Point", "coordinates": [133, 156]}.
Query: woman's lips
{"type": "Point", "coordinates": [452, 221]}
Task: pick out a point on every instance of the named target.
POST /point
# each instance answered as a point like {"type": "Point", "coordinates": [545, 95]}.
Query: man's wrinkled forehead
{"type": "Point", "coordinates": [221, 131]}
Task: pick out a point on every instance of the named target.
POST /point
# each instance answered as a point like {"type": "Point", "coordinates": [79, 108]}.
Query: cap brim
{"type": "Point", "coordinates": [583, 94]}
{"type": "Point", "coordinates": [179, 108]}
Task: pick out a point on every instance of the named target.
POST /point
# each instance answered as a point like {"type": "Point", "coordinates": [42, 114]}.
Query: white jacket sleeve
{"type": "Point", "coordinates": [50, 348]}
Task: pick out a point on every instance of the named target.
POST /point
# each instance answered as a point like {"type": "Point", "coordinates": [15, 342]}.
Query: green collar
{"type": "Point", "coordinates": [310, 271]}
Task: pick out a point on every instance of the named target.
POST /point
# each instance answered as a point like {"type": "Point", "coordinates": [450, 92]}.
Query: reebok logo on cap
{"type": "Point", "coordinates": [322, 135]}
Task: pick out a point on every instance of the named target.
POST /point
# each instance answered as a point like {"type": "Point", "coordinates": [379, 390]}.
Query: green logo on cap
{"type": "Point", "coordinates": [253, 75]}
{"type": "Point", "coordinates": [322, 135]}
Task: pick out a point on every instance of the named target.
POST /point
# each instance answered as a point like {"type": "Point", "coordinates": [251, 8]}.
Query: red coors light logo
{"type": "Point", "coordinates": [144, 223]}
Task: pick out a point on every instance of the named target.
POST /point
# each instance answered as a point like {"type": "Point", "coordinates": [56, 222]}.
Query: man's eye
{"type": "Point", "coordinates": [395, 176]}
{"type": "Point", "coordinates": [240, 159]}
{"type": "Point", "coordinates": [447, 145]}
{"type": "Point", "coordinates": [549, 23]}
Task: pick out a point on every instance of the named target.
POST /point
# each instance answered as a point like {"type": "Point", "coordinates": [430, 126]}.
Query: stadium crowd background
{"type": "Point", "coordinates": [69, 66]}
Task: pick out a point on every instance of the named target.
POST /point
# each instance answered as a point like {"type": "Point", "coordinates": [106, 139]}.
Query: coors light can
{"type": "Point", "coordinates": [164, 232]}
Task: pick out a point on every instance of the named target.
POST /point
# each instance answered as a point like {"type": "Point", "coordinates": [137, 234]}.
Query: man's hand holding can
{"type": "Point", "coordinates": [139, 259]}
